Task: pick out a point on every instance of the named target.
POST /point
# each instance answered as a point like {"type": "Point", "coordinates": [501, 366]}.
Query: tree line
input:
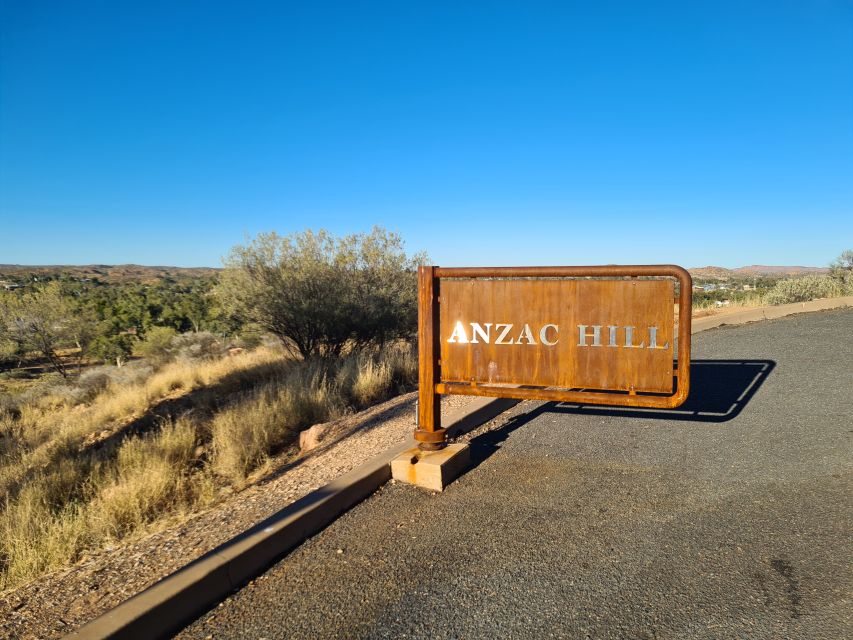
{"type": "Point", "coordinates": [98, 321]}
{"type": "Point", "coordinates": [318, 294]}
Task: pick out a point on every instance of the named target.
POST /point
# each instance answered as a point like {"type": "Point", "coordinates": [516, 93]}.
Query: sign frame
{"type": "Point", "coordinates": [430, 434]}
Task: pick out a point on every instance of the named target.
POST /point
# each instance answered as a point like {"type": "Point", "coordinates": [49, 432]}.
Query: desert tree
{"type": "Point", "coordinates": [842, 267]}
{"type": "Point", "coordinates": [321, 294]}
{"type": "Point", "coordinates": [10, 349]}
{"type": "Point", "coordinates": [45, 320]}
{"type": "Point", "coordinates": [112, 347]}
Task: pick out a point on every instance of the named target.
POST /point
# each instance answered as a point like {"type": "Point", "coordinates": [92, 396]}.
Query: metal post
{"type": "Point", "coordinates": [429, 433]}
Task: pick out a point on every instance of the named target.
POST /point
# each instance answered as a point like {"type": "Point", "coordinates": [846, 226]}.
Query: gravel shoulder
{"type": "Point", "coordinates": [61, 601]}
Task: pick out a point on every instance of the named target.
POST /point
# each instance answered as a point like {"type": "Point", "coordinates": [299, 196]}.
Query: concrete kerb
{"type": "Point", "coordinates": [179, 598]}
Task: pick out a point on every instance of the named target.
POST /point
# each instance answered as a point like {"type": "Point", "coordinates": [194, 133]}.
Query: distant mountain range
{"type": "Point", "coordinates": [105, 272]}
{"type": "Point", "coordinates": [149, 274]}
{"type": "Point", "coordinates": [722, 273]}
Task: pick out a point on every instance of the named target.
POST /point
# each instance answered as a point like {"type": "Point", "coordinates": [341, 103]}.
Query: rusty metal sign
{"type": "Point", "coordinates": [594, 335]}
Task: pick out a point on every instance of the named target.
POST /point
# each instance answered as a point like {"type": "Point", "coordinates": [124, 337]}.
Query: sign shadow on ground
{"type": "Point", "coordinates": [720, 389]}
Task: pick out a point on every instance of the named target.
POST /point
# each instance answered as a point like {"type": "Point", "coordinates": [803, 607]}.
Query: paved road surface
{"type": "Point", "coordinates": [733, 520]}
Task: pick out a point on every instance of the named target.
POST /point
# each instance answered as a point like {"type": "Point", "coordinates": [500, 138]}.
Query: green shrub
{"type": "Point", "coordinates": [804, 289]}
{"type": "Point", "coordinates": [323, 295]}
{"type": "Point", "coordinates": [201, 345]}
{"type": "Point", "coordinates": [157, 345]}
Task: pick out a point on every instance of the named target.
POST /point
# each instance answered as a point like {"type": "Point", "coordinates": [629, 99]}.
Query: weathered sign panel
{"type": "Point", "coordinates": [591, 335]}
{"type": "Point", "coordinates": [581, 334]}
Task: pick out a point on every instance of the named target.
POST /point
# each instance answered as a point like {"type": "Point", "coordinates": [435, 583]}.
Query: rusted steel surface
{"type": "Point", "coordinates": [585, 334]}
{"type": "Point", "coordinates": [568, 338]}
{"type": "Point", "coordinates": [601, 271]}
{"type": "Point", "coordinates": [429, 434]}
{"type": "Point", "coordinates": [564, 395]}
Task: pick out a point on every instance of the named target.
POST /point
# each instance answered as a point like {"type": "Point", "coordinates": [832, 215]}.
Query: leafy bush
{"type": "Point", "coordinates": [250, 337]}
{"type": "Point", "coordinates": [842, 269]}
{"type": "Point", "coordinates": [132, 373]}
{"type": "Point", "coordinates": [804, 289]}
{"type": "Point", "coordinates": [163, 344]}
{"type": "Point", "coordinates": [17, 374]}
{"type": "Point", "coordinates": [321, 294]}
{"type": "Point", "coordinates": [197, 346]}
{"type": "Point", "coordinates": [157, 344]}
{"type": "Point", "coordinates": [92, 382]}
{"type": "Point", "coordinates": [111, 348]}
{"type": "Point", "coordinates": [95, 381]}
{"type": "Point", "coordinates": [43, 320]}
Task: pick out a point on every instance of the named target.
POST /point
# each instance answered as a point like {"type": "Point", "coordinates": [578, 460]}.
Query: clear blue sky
{"type": "Point", "coordinates": [484, 133]}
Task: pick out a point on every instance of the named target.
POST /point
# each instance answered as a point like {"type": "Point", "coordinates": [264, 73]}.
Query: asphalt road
{"type": "Point", "coordinates": [730, 519]}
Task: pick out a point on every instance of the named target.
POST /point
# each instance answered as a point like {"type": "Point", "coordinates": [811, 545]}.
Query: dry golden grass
{"type": "Point", "coordinates": [74, 477]}
{"type": "Point", "coordinates": [709, 307]}
{"type": "Point", "coordinates": [149, 476]}
{"type": "Point", "coordinates": [264, 420]}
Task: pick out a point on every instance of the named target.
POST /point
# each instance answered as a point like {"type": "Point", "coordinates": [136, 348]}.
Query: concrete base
{"type": "Point", "coordinates": [432, 470]}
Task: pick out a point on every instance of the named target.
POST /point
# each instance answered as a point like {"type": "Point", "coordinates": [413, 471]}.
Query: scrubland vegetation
{"type": "Point", "coordinates": [126, 406]}
{"type": "Point", "coordinates": [200, 394]}
{"type": "Point", "coordinates": [774, 290]}
{"type": "Point", "coordinates": [782, 291]}
{"type": "Point", "coordinates": [89, 464]}
{"type": "Point", "coordinates": [808, 288]}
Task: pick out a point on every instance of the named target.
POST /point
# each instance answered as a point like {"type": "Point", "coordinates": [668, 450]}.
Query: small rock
{"type": "Point", "coordinates": [312, 437]}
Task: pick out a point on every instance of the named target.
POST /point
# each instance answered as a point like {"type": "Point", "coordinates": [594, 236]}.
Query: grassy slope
{"type": "Point", "coordinates": [77, 475]}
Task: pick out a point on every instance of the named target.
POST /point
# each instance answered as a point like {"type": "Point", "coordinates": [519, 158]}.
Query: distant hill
{"type": "Point", "coordinates": [106, 272]}
{"type": "Point", "coordinates": [150, 274]}
{"type": "Point", "coordinates": [721, 273]}
{"type": "Point", "coordinates": [764, 270]}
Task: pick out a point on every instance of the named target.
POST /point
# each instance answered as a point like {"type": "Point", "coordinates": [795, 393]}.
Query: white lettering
{"type": "Point", "coordinates": [613, 329]}
{"type": "Point", "coordinates": [549, 335]}
{"type": "Point", "coordinates": [458, 334]}
{"type": "Point", "coordinates": [526, 334]}
{"type": "Point", "coordinates": [653, 339]}
{"type": "Point", "coordinates": [629, 339]}
{"type": "Point", "coordinates": [543, 335]}
{"type": "Point", "coordinates": [504, 330]}
{"type": "Point", "coordinates": [595, 335]}
{"type": "Point", "coordinates": [477, 329]}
